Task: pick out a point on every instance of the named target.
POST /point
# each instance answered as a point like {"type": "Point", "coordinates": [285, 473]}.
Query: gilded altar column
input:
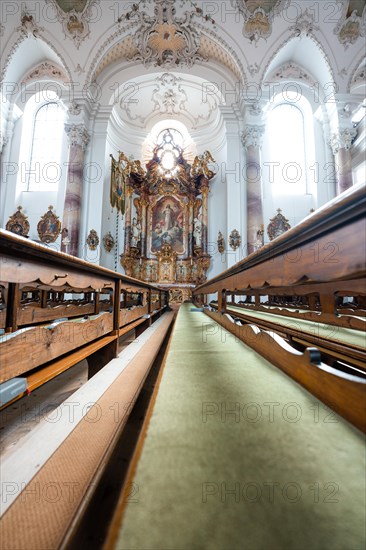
{"type": "Point", "coordinates": [128, 213]}
{"type": "Point", "coordinates": [78, 139]}
{"type": "Point", "coordinates": [340, 143]}
{"type": "Point", "coordinates": [144, 204]}
{"type": "Point", "coordinates": [190, 227]}
{"type": "Point", "coordinates": [252, 142]}
{"type": "Point", "coordinates": [205, 192]}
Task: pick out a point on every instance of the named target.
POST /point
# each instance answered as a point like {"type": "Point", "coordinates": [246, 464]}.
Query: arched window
{"type": "Point", "coordinates": [290, 145]}
{"type": "Point", "coordinates": [168, 149]}
{"type": "Point", "coordinates": [48, 129]}
{"type": "Point", "coordinates": [42, 141]}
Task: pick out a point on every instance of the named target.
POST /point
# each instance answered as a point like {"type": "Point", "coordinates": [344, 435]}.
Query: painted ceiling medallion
{"type": "Point", "coordinates": [258, 16]}
{"type": "Point", "coordinates": [352, 24]}
{"type": "Point", "coordinates": [49, 226]}
{"type": "Point", "coordinates": [75, 17]}
{"type": "Point", "coordinates": [70, 5]}
{"type": "Point", "coordinates": [164, 40]}
{"type": "Point", "coordinates": [18, 223]}
{"type": "Point", "coordinates": [277, 225]}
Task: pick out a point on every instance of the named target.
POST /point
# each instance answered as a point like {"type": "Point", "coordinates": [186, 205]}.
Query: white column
{"type": "Point", "coordinates": [231, 176]}
{"type": "Point", "coordinates": [342, 134]}
{"type": "Point", "coordinates": [78, 140]}
{"type": "Point", "coordinates": [340, 143]}
{"type": "Point", "coordinates": [252, 141]}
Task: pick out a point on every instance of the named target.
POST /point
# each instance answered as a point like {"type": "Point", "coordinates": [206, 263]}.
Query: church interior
{"type": "Point", "coordinates": [183, 274]}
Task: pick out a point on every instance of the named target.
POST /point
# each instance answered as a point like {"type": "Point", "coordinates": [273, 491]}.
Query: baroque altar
{"type": "Point", "coordinates": [165, 211]}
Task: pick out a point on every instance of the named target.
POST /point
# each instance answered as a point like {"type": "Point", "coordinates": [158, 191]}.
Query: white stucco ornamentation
{"type": "Point", "coordinates": [46, 70]}
{"type": "Point", "coordinates": [342, 140]}
{"type": "Point", "coordinates": [291, 71]}
{"type": "Point", "coordinates": [169, 97]}
{"type": "Point", "coordinates": [258, 17]}
{"type": "Point", "coordinates": [75, 23]}
{"type": "Point", "coordinates": [74, 109]}
{"type": "Point", "coordinates": [164, 40]}
{"type": "Point", "coordinates": [3, 141]}
{"type": "Point", "coordinates": [253, 69]}
{"type": "Point", "coordinates": [252, 136]}
{"type": "Point", "coordinates": [77, 135]}
{"type": "Point", "coordinates": [359, 76]}
{"type": "Point", "coordinates": [29, 26]}
{"type": "Point", "coordinates": [350, 27]}
{"type": "Point", "coordinates": [304, 25]}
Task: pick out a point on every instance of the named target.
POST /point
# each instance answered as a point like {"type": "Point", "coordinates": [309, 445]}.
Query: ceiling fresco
{"type": "Point", "coordinates": [70, 5]}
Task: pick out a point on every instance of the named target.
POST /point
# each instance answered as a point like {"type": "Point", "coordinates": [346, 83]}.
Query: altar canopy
{"type": "Point", "coordinates": [165, 211]}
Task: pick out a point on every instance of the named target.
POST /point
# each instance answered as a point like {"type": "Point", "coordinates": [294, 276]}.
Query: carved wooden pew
{"type": "Point", "coordinates": [300, 302]}
{"type": "Point", "coordinates": [56, 310]}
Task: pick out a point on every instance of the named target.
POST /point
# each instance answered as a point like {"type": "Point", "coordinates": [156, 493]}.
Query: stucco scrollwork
{"type": "Point", "coordinates": [29, 26]}
{"type": "Point", "coordinates": [304, 24]}
{"type": "Point", "coordinates": [164, 40]}
{"type": "Point", "coordinates": [75, 21]}
{"type": "Point", "coordinates": [258, 17]}
{"type": "Point", "coordinates": [46, 70]}
{"type": "Point", "coordinates": [352, 24]}
{"type": "Point", "coordinates": [169, 97]}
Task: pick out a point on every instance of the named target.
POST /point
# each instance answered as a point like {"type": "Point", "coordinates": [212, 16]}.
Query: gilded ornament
{"type": "Point", "coordinates": [277, 225]}
{"type": "Point", "coordinates": [234, 239]}
{"type": "Point", "coordinates": [49, 226]}
{"type": "Point", "coordinates": [92, 240]}
{"type": "Point", "coordinates": [220, 243]}
{"type": "Point", "coordinates": [108, 241]}
{"type": "Point", "coordinates": [200, 166]}
{"type": "Point", "coordinates": [18, 223]}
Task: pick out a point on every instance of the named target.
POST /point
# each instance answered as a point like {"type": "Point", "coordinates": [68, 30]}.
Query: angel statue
{"type": "Point", "coordinates": [200, 165]}
{"type": "Point", "coordinates": [135, 233]}
{"type": "Point", "coordinates": [197, 232]}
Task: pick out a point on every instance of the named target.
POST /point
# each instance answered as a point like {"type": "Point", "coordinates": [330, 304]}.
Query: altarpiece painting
{"type": "Point", "coordinates": [165, 216]}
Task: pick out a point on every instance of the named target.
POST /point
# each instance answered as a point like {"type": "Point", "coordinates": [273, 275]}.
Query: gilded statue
{"type": "Point", "coordinates": [200, 165]}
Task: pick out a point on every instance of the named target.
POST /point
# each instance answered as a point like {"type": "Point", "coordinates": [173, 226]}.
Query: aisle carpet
{"type": "Point", "coordinates": [238, 456]}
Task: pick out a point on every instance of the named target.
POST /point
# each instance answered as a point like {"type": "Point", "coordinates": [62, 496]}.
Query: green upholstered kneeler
{"type": "Point", "coordinates": [278, 472]}
{"type": "Point", "coordinates": [340, 335]}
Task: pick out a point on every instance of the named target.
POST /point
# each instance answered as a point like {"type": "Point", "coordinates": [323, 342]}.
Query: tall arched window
{"type": "Point", "coordinates": [291, 145]}
{"type": "Point", "coordinates": [42, 141]}
{"type": "Point", "coordinates": [48, 129]}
